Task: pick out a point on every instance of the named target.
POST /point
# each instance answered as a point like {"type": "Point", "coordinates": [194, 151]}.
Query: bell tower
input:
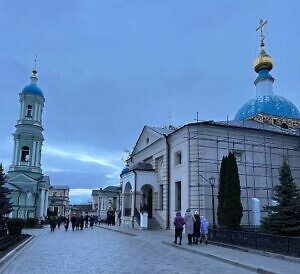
{"type": "Point", "coordinates": [28, 136]}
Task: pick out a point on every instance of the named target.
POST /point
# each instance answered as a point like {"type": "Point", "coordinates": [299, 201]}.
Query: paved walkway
{"type": "Point", "coordinates": [246, 260]}
{"type": "Point", "coordinates": [99, 250]}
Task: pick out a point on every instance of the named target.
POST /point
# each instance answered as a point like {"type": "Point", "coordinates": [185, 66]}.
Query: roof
{"type": "Point", "coordinates": [33, 89]}
{"type": "Point", "coordinates": [112, 189]}
{"type": "Point", "coordinates": [269, 104]}
{"type": "Point", "coordinates": [95, 192]}
{"type": "Point", "coordinates": [163, 130]}
{"type": "Point", "coordinates": [59, 187]}
{"type": "Point", "coordinates": [249, 124]}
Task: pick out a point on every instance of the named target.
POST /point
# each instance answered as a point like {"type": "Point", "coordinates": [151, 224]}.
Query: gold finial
{"type": "Point", "coordinates": [262, 23]}
{"type": "Point", "coordinates": [34, 71]}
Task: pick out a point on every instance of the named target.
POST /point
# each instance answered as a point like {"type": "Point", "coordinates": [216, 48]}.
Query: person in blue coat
{"type": "Point", "coordinates": [203, 229]}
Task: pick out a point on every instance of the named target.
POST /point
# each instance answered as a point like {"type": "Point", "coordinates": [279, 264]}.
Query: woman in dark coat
{"type": "Point", "coordinates": [73, 221]}
{"type": "Point", "coordinates": [178, 223]}
{"type": "Point", "coordinates": [67, 223]}
{"type": "Point", "coordinates": [197, 223]}
{"type": "Point", "coordinates": [81, 223]}
{"type": "Point", "coordinates": [52, 223]}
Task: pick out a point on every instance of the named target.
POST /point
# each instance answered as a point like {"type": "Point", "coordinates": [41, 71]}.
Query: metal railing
{"type": "Point", "coordinates": [257, 240]}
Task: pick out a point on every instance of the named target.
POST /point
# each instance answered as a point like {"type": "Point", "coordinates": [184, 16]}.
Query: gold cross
{"type": "Point", "coordinates": [35, 60]}
{"type": "Point", "coordinates": [262, 23]}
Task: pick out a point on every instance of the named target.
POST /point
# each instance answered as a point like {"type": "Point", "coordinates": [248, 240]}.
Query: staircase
{"type": "Point", "coordinates": [153, 224]}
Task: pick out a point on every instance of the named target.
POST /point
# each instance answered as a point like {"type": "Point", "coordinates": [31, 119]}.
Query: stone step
{"type": "Point", "coordinates": [153, 224]}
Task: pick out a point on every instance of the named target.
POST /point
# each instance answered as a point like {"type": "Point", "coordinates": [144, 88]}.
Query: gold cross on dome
{"type": "Point", "coordinates": [262, 23]}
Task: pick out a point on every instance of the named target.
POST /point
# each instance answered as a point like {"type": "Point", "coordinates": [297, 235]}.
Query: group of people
{"type": "Point", "coordinates": [77, 222]}
{"type": "Point", "coordinates": [196, 227]}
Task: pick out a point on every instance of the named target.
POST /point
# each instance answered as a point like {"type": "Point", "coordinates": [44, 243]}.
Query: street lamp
{"type": "Point", "coordinates": [212, 184]}
{"type": "Point", "coordinates": [211, 181]}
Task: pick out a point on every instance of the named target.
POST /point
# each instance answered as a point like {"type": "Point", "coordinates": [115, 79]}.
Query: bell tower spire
{"type": "Point", "coordinates": [263, 64]}
{"type": "Point", "coordinates": [28, 136]}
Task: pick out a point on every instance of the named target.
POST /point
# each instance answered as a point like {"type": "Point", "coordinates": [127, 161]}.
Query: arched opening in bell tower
{"type": "Point", "coordinates": [29, 111]}
{"type": "Point", "coordinates": [25, 154]}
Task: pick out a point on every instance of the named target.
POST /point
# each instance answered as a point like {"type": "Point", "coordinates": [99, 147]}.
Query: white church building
{"type": "Point", "coordinates": [173, 169]}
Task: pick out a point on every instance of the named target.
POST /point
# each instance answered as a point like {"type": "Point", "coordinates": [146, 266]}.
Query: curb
{"type": "Point", "coordinates": [234, 263]}
{"type": "Point", "coordinates": [119, 231]}
{"type": "Point", "coordinates": [260, 252]}
{"type": "Point", "coordinates": [14, 251]}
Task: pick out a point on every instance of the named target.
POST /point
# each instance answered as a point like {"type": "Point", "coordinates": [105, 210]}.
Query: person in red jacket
{"type": "Point", "coordinates": [178, 223]}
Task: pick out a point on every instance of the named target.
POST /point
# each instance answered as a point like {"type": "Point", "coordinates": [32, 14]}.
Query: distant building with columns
{"type": "Point", "coordinates": [59, 200]}
{"type": "Point", "coordinates": [29, 186]}
{"type": "Point", "coordinates": [103, 199]}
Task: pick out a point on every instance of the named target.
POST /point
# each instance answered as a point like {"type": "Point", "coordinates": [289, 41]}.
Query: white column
{"type": "Point", "coordinates": [22, 110]}
{"type": "Point", "coordinates": [38, 155]}
{"type": "Point", "coordinates": [132, 203]}
{"type": "Point", "coordinates": [35, 111]}
{"type": "Point", "coordinates": [42, 201]}
{"type": "Point", "coordinates": [17, 157]}
{"type": "Point", "coordinates": [46, 203]}
{"type": "Point", "coordinates": [15, 149]}
{"type": "Point", "coordinates": [40, 113]}
{"type": "Point", "coordinates": [123, 198]}
{"type": "Point", "coordinates": [33, 155]}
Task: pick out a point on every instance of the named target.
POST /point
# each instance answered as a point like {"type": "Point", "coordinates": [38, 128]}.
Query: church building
{"type": "Point", "coordinates": [173, 169]}
{"type": "Point", "coordinates": [29, 187]}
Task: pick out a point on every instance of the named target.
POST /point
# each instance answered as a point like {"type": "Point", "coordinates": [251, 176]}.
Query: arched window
{"type": "Point", "coordinates": [29, 111]}
{"type": "Point", "coordinates": [25, 154]}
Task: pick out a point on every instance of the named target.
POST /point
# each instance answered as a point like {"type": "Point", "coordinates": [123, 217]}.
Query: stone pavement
{"type": "Point", "coordinates": [100, 250]}
{"type": "Point", "coordinates": [246, 260]}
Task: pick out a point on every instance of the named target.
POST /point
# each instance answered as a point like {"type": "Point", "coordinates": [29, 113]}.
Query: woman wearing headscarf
{"type": "Point", "coordinates": [178, 223]}
{"type": "Point", "coordinates": [189, 225]}
{"type": "Point", "coordinates": [203, 229]}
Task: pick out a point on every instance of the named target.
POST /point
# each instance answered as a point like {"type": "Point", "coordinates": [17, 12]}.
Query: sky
{"type": "Point", "coordinates": [107, 68]}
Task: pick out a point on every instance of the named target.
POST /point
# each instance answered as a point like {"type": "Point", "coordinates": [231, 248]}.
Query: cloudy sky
{"type": "Point", "coordinates": [107, 68]}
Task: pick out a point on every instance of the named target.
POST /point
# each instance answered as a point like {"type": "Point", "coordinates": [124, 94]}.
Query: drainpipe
{"type": "Point", "coordinates": [135, 175]}
{"type": "Point", "coordinates": [168, 181]}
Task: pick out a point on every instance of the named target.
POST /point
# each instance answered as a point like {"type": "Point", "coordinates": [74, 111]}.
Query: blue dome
{"type": "Point", "coordinates": [125, 170]}
{"type": "Point", "coordinates": [34, 89]}
{"type": "Point", "coordinates": [270, 105]}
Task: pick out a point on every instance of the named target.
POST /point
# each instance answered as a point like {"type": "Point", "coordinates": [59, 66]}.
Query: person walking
{"type": "Point", "coordinates": [86, 221]}
{"type": "Point", "coordinates": [92, 219]}
{"type": "Point", "coordinates": [81, 221]}
{"type": "Point", "coordinates": [67, 223]}
{"type": "Point", "coordinates": [52, 223]}
{"type": "Point", "coordinates": [178, 223]}
{"type": "Point", "coordinates": [109, 216]}
{"type": "Point", "coordinates": [73, 221]}
{"type": "Point", "coordinates": [204, 229]}
{"type": "Point", "coordinates": [196, 234]}
{"type": "Point", "coordinates": [189, 225]}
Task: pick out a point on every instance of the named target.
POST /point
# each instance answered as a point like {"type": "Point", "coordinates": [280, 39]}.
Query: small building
{"type": "Point", "coordinates": [82, 210]}
{"type": "Point", "coordinates": [59, 200]}
{"type": "Point", "coordinates": [105, 198]}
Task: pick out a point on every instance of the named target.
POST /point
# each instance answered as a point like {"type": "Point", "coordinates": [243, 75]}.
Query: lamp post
{"type": "Point", "coordinates": [212, 184]}
{"type": "Point", "coordinates": [211, 181]}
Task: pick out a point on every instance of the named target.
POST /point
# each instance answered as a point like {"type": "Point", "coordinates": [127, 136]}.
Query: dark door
{"type": "Point", "coordinates": [149, 203]}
